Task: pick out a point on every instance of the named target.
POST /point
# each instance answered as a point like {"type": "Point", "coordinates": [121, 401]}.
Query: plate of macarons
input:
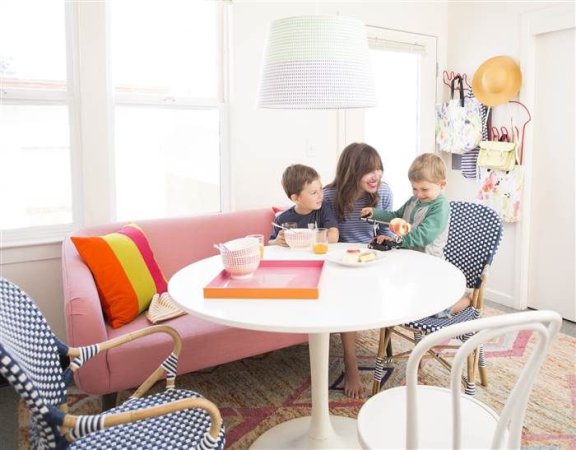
{"type": "Point", "coordinates": [356, 257]}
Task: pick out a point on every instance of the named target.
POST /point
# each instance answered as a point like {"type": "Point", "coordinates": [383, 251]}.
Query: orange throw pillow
{"type": "Point", "coordinates": [125, 271]}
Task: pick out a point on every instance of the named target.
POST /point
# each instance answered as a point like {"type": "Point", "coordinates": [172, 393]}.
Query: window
{"type": "Point", "coordinates": [36, 181]}
{"type": "Point", "coordinates": [401, 126]}
{"type": "Point", "coordinates": [167, 114]}
{"type": "Point", "coordinates": [115, 112]}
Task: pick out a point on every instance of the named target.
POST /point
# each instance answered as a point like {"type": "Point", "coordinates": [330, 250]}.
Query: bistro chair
{"type": "Point", "coordinates": [30, 356]}
{"type": "Point", "coordinates": [474, 236]}
{"type": "Point", "coordinates": [418, 416]}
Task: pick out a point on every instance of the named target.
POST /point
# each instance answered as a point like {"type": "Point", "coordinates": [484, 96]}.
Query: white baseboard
{"type": "Point", "coordinates": [500, 298]}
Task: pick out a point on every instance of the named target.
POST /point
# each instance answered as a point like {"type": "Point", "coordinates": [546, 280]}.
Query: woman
{"type": "Point", "coordinates": [357, 184]}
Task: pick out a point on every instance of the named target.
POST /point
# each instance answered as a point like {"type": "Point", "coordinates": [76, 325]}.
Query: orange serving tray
{"type": "Point", "coordinates": [272, 279]}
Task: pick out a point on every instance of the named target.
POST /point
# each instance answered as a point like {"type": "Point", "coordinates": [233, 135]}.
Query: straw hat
{"type": "Point", "coordinates": [497, 81]}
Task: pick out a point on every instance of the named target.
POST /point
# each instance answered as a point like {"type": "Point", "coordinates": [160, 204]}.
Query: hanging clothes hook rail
{"type": "Point", "coordinates": [447, 78]}
{"type": "Point", "coordinates": [509, 132]}
{"type": "Point", "coordinates": [522, 105]}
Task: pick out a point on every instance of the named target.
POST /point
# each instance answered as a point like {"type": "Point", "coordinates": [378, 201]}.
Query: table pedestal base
{"type": "Point", "coordinates": [293, 434]}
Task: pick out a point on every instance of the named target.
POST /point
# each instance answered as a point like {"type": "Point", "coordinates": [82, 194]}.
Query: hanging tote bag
{"type": "Point", "coordinates": [458, 122]}
{"type": "Point", "coordinates": [501, 190]}
{"type": "Point", "coordinates": [501, 177]}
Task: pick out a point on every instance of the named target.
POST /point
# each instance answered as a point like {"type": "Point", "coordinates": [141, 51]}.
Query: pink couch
{"type": "Point", "coordinates": [176, 243]}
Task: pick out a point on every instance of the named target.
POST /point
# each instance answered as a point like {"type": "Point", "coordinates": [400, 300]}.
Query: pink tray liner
{"type": "Point", "coordinates": [275, 275]}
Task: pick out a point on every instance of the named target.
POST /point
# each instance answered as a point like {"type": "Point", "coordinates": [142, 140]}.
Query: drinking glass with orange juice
{"type": "Point", "coordinates": [320, 245]}
{"type": "Point", "coordinates": [260, 238]}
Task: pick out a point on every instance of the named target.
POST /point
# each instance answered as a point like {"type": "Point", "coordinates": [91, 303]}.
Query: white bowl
{"type": "Point", "coordinates": [299, 237]}
{"type": "Point", "coordinates": [241, 257]}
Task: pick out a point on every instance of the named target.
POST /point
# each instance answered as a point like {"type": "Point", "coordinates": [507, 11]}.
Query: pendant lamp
{"type": "Point", "coordinates": [316, 62]}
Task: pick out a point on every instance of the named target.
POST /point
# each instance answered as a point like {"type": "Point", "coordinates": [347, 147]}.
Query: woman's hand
{"type": "Point", "coordinates": [366, 212]}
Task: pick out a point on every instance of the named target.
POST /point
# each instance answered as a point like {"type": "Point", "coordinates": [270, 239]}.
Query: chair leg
{"type": "Point", "coordinates": [384, 346]}
{"type": "Point", "coordinates": [470, 388]}
{"type": "Point", "coordinates": [109, 401]}
{"type": "Point", "coordinates": [482, 368]}
{"type": "Point", "coordinates": [418, 336]}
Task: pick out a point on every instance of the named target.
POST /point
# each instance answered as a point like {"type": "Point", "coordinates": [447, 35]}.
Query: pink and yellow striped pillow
{"type": "Point", "coordinates": [126, 273]}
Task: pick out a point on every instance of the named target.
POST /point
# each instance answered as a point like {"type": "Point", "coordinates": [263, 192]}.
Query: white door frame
{"type": "Point", "coordinates": [534, 23]}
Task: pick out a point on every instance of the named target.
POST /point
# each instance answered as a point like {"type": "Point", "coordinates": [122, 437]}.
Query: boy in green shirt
{"type": "Point", "coordinates": [427, 211]}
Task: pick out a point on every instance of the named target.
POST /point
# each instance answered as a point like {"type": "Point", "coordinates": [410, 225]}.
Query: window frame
{"type": "Point", "coordinates": [91, 101]}
{"type": "Point", "coordinates": [426, 46]}
{"type": "Point", "coordinates": [46, 234]}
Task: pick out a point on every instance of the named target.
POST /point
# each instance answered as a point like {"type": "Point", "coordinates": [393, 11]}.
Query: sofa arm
{"type": "Point", "coordinates": [85, 323]}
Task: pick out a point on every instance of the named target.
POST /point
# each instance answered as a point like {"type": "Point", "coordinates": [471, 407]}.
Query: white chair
{"type": "Point", "coordinates": [418, 416]}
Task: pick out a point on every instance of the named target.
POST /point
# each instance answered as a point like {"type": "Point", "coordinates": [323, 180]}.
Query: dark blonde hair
{"type": "Point", "coordinates": [295, 178]}
{"type": "Point", "coordinates": [427, 167]}
{"type": "Point", "coordinates": [355, 161]}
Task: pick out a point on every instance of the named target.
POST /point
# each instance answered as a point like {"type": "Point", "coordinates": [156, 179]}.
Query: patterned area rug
{"type": "Point", "coordinates": [258, 393]}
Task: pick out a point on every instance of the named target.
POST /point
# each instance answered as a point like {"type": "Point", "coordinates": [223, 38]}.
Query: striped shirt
{"type": "Point", "coordinates": [352, 229]}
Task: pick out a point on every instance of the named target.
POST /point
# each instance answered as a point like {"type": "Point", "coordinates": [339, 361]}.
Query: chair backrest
{"type": "Point", "coordinates": [30, 361]}
{"type": "Point", "coordinates": [473, 238]}
{"type": "Point", "coordinates": [545, 324]}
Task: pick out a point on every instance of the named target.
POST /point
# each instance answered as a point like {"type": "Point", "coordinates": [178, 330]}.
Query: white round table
{"type": "Point", "coordinates": [404, 285]}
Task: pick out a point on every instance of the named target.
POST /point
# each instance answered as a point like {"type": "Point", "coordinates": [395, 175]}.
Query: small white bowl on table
{"type": "Point", "coordinates": [299, 237]}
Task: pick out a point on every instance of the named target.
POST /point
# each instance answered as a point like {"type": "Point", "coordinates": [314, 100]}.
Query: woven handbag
{"type": "Point", "coordinates": [162, 308]}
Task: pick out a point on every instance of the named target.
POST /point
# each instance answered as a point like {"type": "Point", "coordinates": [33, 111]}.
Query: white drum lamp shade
{"type": "Point", "coordinates": [316, 62]}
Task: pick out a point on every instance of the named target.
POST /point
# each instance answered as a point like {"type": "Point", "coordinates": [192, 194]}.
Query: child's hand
{"type": "Point", "coordinates": [281, 239]}
{"type": "Point", "coordinates": [366, 212]}
{"type": "Point", "coordinates": [381, 238]}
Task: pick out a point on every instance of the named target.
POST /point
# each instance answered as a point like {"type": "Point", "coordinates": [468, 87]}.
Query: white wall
{"type": "Point", "coordinates": [471, 41]}
{"type": "Point", "coordinates": [38, 271]}
{"type": "Point", "coordinates": [264, 142]}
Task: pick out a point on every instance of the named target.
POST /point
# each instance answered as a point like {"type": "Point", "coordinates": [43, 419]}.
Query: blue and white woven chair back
{"type": "Point", "coordinates": [473, 238]}
{"type": "Point", "coordinates": [30, 361]}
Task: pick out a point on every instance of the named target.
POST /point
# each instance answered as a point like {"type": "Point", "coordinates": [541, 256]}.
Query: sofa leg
{"type": "Point", "coordinates": [108, 401]}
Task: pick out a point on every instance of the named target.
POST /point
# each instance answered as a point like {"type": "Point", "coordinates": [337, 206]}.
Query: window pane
{"type": "Point", "coordinates": [35, 159]}
{"type": "Point", "coordinates": [32, 44]}
{"type": "Point", "coordinates": [392, 126]}
{"type": "Point", "coordinates": [165, 47]}
{"type": "Point", "coordinates": [167, 162]}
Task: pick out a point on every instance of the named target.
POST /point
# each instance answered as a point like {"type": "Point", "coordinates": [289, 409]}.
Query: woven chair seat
{"type": "Point", "coordinates": [151, 433]}
{"type": "Point", "coordinates": [432, 324]}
